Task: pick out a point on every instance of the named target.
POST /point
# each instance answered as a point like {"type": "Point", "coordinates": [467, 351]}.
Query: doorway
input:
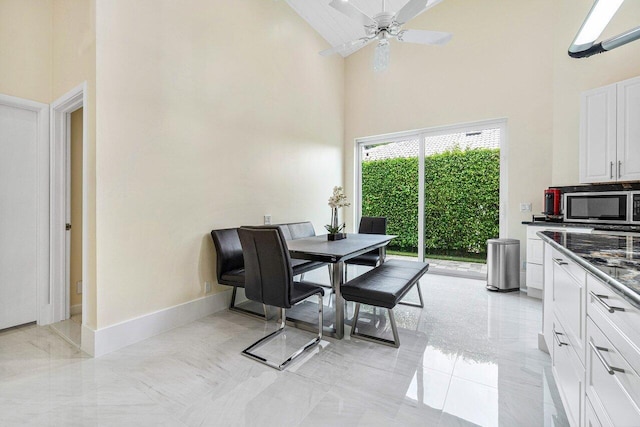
{"type": "Point", "coordinates": [441, 189]}
{"type": "Point", "coordinates": [67, 214]}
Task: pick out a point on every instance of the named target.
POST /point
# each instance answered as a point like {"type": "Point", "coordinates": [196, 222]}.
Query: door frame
{"type": "Point", "coordinates": [61, 110]}
{"type": "Point", "coordinates": [420, 135]}
{"type": "Point", "coordinates": [43, 287]}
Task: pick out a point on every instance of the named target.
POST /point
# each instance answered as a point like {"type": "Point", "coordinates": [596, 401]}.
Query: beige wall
{"type": "Point", "coordinates": [25, 49]}
{"type": "Point", "coordinates": [571, 77]}
{"type": "Point", "coordinates": [498, 65]}
{"type": "Point", "coordinates": [204, 123]}
{"type": "Point", "coordinates": [76, 206]}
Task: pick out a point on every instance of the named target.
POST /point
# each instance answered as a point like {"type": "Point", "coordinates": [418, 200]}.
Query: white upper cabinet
{"type": "Point", "coordinates": [628, 134]}
{"type": "Point", "coordinates": [610, 133]}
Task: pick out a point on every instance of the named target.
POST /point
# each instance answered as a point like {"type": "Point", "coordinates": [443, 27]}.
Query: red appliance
{"type": "Point", "coordinates": [552, 202]}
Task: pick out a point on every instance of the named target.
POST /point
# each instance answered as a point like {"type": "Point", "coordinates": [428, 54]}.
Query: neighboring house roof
{"type": "Point", "coordinates": [489, 138]}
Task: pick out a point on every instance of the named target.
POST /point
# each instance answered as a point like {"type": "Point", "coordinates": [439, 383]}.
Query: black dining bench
{"type": "Point", "coordinates": [384, 286]}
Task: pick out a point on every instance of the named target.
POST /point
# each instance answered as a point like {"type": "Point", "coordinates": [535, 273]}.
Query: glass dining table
{"type": "Point", "coordinates": [336, 252]}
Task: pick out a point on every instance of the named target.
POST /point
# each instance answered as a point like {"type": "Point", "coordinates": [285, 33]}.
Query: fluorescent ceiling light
{"type": "Point", "coordinates": [596, 21]}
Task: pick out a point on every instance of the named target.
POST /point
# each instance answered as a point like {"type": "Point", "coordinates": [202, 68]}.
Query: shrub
{"type": "Point", "coordinates": [461, 199]}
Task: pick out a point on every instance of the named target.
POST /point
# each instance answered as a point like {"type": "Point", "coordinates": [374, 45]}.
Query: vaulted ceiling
{"type": "Point", "coordinates": [337, 28]}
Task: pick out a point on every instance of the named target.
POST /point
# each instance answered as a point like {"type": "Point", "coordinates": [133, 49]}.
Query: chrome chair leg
{"type": "Point", "coordinates": [244, 311]}
{"type": "Point", "coordinates": [410, 304]}
{"type": "Point", "coordinates": [392, 343]}
{"type": "Point", "coordinates": [282, 320]}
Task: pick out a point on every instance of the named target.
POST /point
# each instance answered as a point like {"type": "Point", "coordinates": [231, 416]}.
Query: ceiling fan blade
{"type": "Point", "coordinates": [424, 37]}
{"type": "Point", "coordinates": [350, 47]}
{"type": "Point", "coordinates": [353, 12]}
{"type": "Point", "coordinates": [413, 8]}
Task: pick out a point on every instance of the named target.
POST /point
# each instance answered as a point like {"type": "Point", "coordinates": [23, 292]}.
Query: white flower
{"type": "Point", "coordinates": [338, 199]}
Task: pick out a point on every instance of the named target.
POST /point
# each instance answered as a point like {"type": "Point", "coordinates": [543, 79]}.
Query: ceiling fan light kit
{"type": "Point", "coordinates": [385, 26]}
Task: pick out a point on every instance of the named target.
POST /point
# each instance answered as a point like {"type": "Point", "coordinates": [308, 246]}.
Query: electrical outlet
{"type": "Point", "coordinates": [525, 207]}
{"type": "Point", "coordinates": [207, 287]}
{"type": "Point", "coordinates": [79, 287]}
{"type": "Point", "coordinates": [267, 220]}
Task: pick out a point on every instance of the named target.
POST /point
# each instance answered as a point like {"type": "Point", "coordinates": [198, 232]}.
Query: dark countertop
{"type": "Point", "coordinates": [613, 259]}
{"type": "Point", "coordinates": [604, 227]}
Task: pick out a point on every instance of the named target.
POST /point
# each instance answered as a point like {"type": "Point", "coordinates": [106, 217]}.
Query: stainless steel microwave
{"type": "Point", "coordinates": [607, 207]}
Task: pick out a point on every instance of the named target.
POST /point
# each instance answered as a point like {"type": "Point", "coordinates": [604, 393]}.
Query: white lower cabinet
{"type": "Point", "coordinates": [569, 375]}
{"type": "Point", "coordinates": [535, 254]}
{"type": "Point", "coordinates": [613, 386]}
{"type": "Point", "coordinates": [591, 419]}
{"type": "Point", "coordinates": [593, 337]}
{"type": "Point", "coordinates": [569, 290]}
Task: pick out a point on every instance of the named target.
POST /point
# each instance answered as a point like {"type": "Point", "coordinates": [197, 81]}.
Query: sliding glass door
{"type": "Point", "coordinates": [390, 188]}
{"type": "Point", "coordinates": [440, 190]}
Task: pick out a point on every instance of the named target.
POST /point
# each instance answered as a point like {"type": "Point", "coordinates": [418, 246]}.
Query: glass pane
{"type": "Point", "coordinates": [390, 189]}
{"type": "Point", "coordinates": [462, 195]}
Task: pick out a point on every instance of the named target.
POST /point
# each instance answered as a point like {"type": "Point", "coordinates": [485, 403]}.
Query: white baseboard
{"type": "Point", "coordinates": [102, 341]}
{"type": "Point", "coordinates": [75, 309]}
{"type": "Point", "coordinates": [535, 293]}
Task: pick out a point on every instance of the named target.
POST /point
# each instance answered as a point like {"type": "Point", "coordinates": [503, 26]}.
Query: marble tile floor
{"type": "Point", "coordinates": [472, 270]}
{"type": "Point", "coordinates": [70, 329]}
{"type": "Point", "coordinates": [468, 358]}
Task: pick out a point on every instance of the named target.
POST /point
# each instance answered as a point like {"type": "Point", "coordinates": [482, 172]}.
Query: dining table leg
{"type": "Point", "coordinates": [337, 280]}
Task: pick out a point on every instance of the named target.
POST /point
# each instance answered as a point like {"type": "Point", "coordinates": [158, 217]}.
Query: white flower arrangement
{"type": "Point", "coordinates": [338, 199]}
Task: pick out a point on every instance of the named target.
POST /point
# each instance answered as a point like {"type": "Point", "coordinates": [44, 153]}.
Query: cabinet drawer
{"type": "Point", "coordinates": [532, 230]}
{"type": "Point", "coordinates": [571, 267]}
{"type": "Point", "coordinates": [534, 251]}
{"type": "Point", "coordinates": [620, 323]}
{"type": "Point", "coordinates": [591, 419]}
{"type": "Point", "coordinates": [568, 305]}
{"type": "Point", "coordinates": [569, 375]}
{"type": "Point", "coordinates": [613, 386]}
{"type": "Point", "coordinates": [534, 276]}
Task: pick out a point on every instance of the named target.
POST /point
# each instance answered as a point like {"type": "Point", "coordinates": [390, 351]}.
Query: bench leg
{"type": "Point", "coordinates": [396, 338]}
{"type": "Point", "coordinates": [410, 304]}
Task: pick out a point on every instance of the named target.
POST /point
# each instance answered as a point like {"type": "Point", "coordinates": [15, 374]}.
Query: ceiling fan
{"type": "Point", "coordinates": [384, 26]}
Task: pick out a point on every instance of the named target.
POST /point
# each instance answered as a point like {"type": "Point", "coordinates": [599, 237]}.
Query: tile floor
{"type": "Point", "coordinates": [468, 358]}
{"type": "Point", "coordinates": [472, 270]}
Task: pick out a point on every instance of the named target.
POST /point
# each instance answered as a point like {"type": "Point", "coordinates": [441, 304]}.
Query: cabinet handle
{"type": "Point", "coordinates": [619, 168]}
{"type": "Point", "coordinates": [610, 369]}
{"type": "Point", "coordinates": [560, 262]}
{"type": "Point", "coordinates": [611, 170]}
{"type": "Point", "coordinates": [601, 299]}
{"type": "Point", "coordinates": [555, 335]}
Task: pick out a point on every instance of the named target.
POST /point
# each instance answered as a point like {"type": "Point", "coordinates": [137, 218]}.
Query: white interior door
{"type": "Point", "coordinates": [18, 216]}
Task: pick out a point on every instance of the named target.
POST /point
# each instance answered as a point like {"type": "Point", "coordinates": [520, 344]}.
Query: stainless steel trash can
{"type": "Point", "coordinates": [503, 265]}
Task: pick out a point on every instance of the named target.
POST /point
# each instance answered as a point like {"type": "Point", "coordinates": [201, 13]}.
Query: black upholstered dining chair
{"type": "Point", "coordinates": [230, 262]}
{"type": "Point", "coordinates": [269, 280]}
{"type": "Point", "coordinates": [369, 225]}
{"type": "Point", "coordinates": [230, 266]}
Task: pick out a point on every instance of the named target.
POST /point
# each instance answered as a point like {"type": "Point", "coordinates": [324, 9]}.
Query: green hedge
{"type": "Point", "coordinates": [461, 197]}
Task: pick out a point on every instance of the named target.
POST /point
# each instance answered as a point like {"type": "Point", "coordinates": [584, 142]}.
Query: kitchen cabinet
{"type": "Point", "coordinates": [609, 135]}
{"type": "Point", "coordinates": [593, 336]}
{"type": "Point", "coordinates": [534, 261]}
